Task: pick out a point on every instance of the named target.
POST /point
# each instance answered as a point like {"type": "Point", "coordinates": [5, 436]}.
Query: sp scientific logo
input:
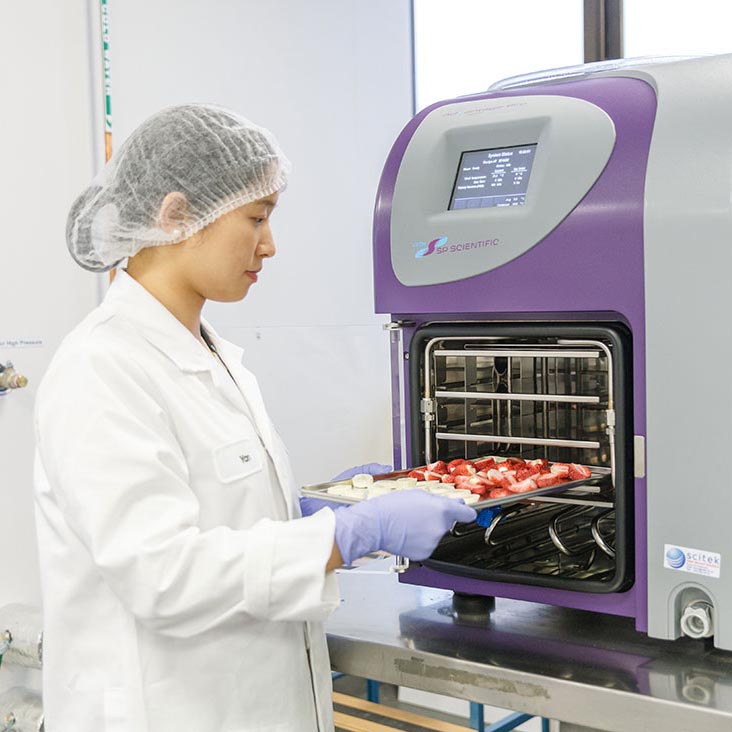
{"type": "Point", "coordinates": [423, 249]}
{"type": "Point", "coordinates": [675, 558]}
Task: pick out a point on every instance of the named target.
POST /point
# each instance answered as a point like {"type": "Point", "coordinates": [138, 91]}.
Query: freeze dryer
{"type": "Point", "coordinates": [556, 256]}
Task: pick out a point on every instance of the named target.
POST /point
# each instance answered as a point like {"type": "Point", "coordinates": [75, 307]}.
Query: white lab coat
{"type": "Point", "coordinates": [177, 593]}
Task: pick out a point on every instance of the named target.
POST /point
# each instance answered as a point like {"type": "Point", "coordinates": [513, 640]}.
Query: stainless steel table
{"type": "Point", "coordinates": [583, 668]}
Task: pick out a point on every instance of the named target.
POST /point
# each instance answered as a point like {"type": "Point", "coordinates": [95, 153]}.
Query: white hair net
{"type": "Point", "coordinates": [216, 159]}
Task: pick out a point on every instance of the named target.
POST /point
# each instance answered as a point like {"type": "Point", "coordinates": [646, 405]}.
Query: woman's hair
{"type": "Point", "coordinates": [217, 160]}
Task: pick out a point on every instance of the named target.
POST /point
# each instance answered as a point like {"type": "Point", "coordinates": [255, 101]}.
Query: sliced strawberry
{"type": "Point", "coordinates": [524, 486]}
{"type": "Point", "coordinates": [526, 471]}
{"type": "Point", "coordinates": [438, 467]}
{"type": "Point", "coordinates": [417, 473]}
{"type": "Point", "coordinates": [495, 476]}
{"type": "Point", "coordinates": [540, 463]}
{"type": "Point", "coordinates": [432, 475]}
{"type": "Point", "coordinates": [560, 469]}
{"type": "Point", "coordinates": [547, 479]}
{"type": "Point", "coordinates": [470, 481]}
{"type": "Point", "coordinates": [485, 464]}
{"type": "Point", "coordinates": [447, 478]}
{"type": "Point", "coordinates": [499, 493]}
{"type": "Point", "coordinates": [579, 472]}
{"type": "Point", "coordinates": [464, 469]}
{"type": "Point", "coordinates": [453, 464]}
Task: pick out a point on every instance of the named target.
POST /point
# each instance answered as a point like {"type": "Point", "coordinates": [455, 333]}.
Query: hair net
{"type": "Point", "coordinates": [216, 159]}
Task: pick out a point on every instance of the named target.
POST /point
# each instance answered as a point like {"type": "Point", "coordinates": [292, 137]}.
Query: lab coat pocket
{"type": "Point", "coordinates": [237, 460]}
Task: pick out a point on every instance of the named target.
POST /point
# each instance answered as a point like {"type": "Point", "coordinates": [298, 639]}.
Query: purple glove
{"type": "Point", "coordinates": [309, 506]}
{"type": "Point", "coordinates": [408, 523]}
{"type": "Point", "coordinates": [370, 468]}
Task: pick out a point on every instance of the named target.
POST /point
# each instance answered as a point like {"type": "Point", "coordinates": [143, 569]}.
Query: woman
{"type": "Point", "coordinates": [182, 589]}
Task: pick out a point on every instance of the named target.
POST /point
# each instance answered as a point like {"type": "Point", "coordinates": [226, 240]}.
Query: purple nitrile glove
{"type": "Point", "coordinates": [407, 523]}
{"type": "Point", "coordinates": [309, 506]}
{"type": "Point", "coordinates": [370, 468]}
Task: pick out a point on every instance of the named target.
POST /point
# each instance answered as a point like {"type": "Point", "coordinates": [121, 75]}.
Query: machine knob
{"type": "Point", "coordinates": [697, 620]}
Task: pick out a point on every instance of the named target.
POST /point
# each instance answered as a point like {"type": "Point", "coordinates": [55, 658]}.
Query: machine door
{"type": "Point", "coordinates": [556, 391]}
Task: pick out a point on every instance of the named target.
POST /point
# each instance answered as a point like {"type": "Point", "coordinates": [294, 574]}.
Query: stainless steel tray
{"type": "Point", "coordinates": [586, 485]}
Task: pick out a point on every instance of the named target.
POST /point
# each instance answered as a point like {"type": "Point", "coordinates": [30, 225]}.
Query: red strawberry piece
{"type": "Point", "coordinates": [560, 469]}
{"type": "Point", "coordinates": [499, 493]}
{"type": "Point", "coordinates": [524, 486]}
{"type": "Point", "coordinates": [547, 479]}
{"type": "Point", "coordinates": [466, 481]}
{"type": "Point", "coordinates": [485, 464]}
{"type": "Point", "coordinates": [526, 472]}
{"type": "Point", "coordinates": [453, 464]}
{"type": "Point", "coordinates": [447, 478]}
{"type": "Point", "coordinates": [540, 463]}
{"type": "Point", "coordinates": [514, 462]}
{"type": "Point", "coordinates": [464, 469]}
{"type": "Point", "coordinates": [578, 472]}
{"type": "Point", "coordinates": [432, 475]}
{"type": "Point", "coordinates": [495, 476]}
{"type": "Point", "coordinates": [418, 474]}
{"type": "Point", "coordinates": [438, 467]}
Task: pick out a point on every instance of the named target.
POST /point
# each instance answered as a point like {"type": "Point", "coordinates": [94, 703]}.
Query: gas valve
{"type": "Point", "coordinates": [10, 379]}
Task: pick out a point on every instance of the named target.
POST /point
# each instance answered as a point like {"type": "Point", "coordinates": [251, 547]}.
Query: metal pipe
{"type": "Point", "coordinates": [514, 396]}
{"type": "Point", "coordinates": [520, 353]}
{"type": "Point", "coordinates": [517, 440]}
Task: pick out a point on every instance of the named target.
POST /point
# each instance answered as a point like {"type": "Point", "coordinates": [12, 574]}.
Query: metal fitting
{"type": "Point", "coordinates": [10, 379]}
{"type": "Point", "coordinates": [697, 620]}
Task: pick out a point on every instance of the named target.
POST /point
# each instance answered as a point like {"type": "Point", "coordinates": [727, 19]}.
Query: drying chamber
{"type": "Point", "coordinates": [554, 256]}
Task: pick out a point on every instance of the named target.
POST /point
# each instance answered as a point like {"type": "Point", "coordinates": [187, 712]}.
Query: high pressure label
{"type": "Point", "coordinates": [696, 561]}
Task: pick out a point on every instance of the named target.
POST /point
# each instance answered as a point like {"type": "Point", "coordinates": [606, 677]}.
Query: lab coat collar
{"type": "Point", "coordinates": [157, 324]}
{"type": "Point", "coordinates": [163, 330]}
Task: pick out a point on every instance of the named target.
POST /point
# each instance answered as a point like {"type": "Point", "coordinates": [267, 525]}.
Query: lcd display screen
{"type": "Point", "coordinates": [494, 177]}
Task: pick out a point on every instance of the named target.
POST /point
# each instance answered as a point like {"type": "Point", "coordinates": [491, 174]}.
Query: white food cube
{"type": "Point", "coordinates": [427, 485]}
{"type": "Point", "coordinates": [406, 483]}
{"type": "Point", "coordinates": [362, 480]}
{"type": "Point", "coordinates": [342, 489]}
{"type": "Point", "coordinates": [377, 490]}
{"type": "Point", "coordinates": [460, 493]}
{"type": "Point", "coordinates": [472, 498]}
{"type": "Point", "coordinates": [442, 490]}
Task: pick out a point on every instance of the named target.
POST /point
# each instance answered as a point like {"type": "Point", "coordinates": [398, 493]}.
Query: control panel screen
{"type": "Point", "coordinates": [496, 177]}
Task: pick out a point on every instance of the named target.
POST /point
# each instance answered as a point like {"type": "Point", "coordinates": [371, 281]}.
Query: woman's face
{"type": "Point", "coordinates": [225, 261]}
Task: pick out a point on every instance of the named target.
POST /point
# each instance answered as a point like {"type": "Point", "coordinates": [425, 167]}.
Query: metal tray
{"type": "Point", "coordinates": [586, 485]}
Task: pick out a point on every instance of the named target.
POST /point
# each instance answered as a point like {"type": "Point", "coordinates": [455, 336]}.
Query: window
{"type": "Point", "coordinates": [464, 46]}
{"type": "Point", "coordinates": [676, 27]}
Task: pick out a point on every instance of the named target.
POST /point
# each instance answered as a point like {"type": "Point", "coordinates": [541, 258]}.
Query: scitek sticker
{"type": "Point", "coordinates": [696, 561]}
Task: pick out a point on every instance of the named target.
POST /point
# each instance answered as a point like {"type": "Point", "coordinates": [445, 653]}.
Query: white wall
{"type": "Point", "coordinates": [332, 80]}
{"type": "Point", "coordinates": [45, 132]}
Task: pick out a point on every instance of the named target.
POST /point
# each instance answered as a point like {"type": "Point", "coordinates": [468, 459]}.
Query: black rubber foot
{"type": "Point", "coordinates": [473, 607]}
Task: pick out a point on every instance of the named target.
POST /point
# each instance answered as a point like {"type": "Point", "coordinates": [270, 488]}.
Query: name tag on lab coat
{"type": "Point", "coordinates": [237, 460]}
